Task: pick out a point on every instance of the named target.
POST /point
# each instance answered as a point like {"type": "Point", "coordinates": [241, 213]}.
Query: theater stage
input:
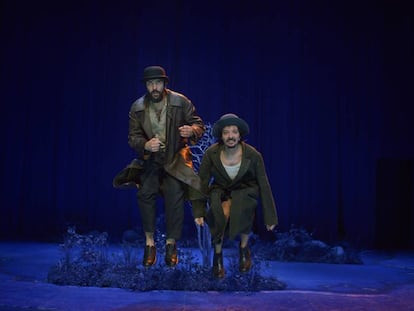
{"type": "Point", "coordinates": [384, 282]}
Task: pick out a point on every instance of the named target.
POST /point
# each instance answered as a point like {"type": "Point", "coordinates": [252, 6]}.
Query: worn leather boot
{"type": "Point", "coordinates": [218, 267]}
{"type": "Point", "coordinates": [245, 261]}
{"type": "Point", "coordinates": [150, 256]}
{"type": "Point", "coordinates": [171, 258]}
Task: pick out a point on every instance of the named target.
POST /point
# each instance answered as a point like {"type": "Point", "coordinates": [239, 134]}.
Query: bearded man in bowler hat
{"type": "Point", "coordinates": [161, 125]}
{"type": "Point", "coordinates": [233, 176]}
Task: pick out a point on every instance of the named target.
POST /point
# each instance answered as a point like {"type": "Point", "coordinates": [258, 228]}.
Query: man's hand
{"type": "Point", "coordinates": [199, 221]}
{"type": "Point", "coordinates": [153, 145]}
{"type": "Point", "coordinates": [270, 227]}
{"type": "Point", "coordinates": [185, 131]}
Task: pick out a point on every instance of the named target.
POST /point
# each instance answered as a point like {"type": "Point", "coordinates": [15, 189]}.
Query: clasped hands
{"type": "Point", "coordinates": [154, 144]}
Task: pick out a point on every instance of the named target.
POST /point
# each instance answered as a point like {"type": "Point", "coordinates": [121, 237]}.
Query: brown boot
{"type": "Point", "coordinates": [171, 258]}
{"type": "Point", "coordinates": [245, 261]}
{"type": "Point", "coordinates": [218, 267]}
{"type": "Point", "coordinates": [150, 256]}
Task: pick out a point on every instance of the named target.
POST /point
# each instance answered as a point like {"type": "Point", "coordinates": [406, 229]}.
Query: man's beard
{"type": "Point", "coordinates": [231, 140]}
{"type": "Point", "coordinates": [155, 99]}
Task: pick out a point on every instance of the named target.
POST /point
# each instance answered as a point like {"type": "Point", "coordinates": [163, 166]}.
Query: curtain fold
{"type": "Point", "coordinates": [315, 82]}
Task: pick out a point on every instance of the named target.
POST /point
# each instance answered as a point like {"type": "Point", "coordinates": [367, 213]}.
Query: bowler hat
{"type": "Point", "coordinates": [230, 119]}
{"type": "Point", "coordinates": [154, 72]}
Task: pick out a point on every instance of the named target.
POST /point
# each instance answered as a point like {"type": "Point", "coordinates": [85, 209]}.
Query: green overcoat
{"type": "Point", "coordinates": [246, 189]}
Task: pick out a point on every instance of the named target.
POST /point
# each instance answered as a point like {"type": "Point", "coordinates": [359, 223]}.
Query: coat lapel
{"type": "Point", "coordinates": [146, 124]}
{"type": "Point", "coordinates": [217, 163]}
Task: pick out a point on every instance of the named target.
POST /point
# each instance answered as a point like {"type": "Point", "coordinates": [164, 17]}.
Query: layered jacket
{"type": "Point", "coordinates": [180, 111]}
{"type": "Point", "coordinates": [250, 186]}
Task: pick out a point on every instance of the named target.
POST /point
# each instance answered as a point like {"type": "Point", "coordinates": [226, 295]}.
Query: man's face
{"type": "Point", "coordinates": [230, 136]}
{"type": "Point", "coordinates": [155, 88]}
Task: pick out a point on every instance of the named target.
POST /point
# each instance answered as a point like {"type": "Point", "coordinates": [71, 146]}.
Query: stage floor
{"type": "Point", "coordinates": [384, 282]}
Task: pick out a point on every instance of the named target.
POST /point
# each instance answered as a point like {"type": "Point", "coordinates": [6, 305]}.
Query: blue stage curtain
{"type": "Point", "coordinates": [324, 86]}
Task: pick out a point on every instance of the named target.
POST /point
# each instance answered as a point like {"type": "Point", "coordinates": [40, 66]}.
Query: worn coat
{"type": "Point", "coordinates": [180, 111]}
{"type": "Point", "coordinates": [246, 189]}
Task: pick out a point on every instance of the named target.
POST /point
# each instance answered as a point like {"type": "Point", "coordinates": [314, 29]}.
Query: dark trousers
{"type": "Point", "coordinates": [156, 181]}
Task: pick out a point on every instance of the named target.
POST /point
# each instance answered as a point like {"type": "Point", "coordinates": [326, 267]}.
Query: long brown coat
{"type": "Point", "coordinates": [250, 185]}
{"type": "Point", "coordinates": [180, 111]}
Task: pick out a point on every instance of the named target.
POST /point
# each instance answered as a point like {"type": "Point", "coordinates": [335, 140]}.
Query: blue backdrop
{"type": "Point", "coordinates": [324, 85]}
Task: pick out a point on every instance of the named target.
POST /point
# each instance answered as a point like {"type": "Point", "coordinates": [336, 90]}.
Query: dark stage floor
{"type": "Point", "coordinates": [384, 282]}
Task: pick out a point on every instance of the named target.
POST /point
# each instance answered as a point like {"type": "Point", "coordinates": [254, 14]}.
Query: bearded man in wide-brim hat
{"type": "Point", "coordinates": [234, 178]}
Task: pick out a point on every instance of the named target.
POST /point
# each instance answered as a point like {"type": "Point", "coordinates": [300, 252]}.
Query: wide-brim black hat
{"type": "Point", "coordinates": [154, 72]}
{"type": "Point", "coordinates": [230, 119]}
